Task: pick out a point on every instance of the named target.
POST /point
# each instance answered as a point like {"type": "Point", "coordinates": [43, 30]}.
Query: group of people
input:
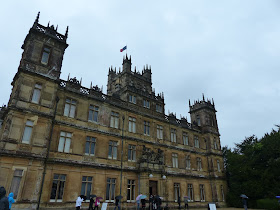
{"type": "Point", "coordinates": [6, 202]}
{"type": "Point", "coordinates": [155, 202]}
{"type": "Point", "coordinates": [93, 200]}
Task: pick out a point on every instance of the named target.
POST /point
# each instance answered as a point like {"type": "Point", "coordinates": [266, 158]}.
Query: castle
{"type": "Point", "coordinates": [59, 140]}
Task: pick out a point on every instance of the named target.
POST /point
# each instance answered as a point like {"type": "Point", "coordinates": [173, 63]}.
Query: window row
{"type": "Point", "coordinates": [70, 109]}
{"type": "Point", "coordinates": [90, 145]}
{"type": "Point", "coordinates": [115, 123]}
{"type": "Point", "coordinates": [87, 188]}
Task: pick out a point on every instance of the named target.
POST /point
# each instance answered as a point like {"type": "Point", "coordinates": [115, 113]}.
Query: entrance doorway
{"type": "Point", "coordinates": [153, 188]}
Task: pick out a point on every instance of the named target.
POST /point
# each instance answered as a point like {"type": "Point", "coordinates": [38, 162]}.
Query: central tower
{"type": "Point", "coordinates": [134, 87]}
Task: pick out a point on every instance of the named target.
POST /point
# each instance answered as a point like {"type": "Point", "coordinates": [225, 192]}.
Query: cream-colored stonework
{"type": "Point", "coordinates": [160, 164]}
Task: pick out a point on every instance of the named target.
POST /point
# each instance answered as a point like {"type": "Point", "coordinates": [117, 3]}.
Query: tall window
{"type": "Point", "coordinates": [158, 108]}
{"type": "Point", "coordinates": [176, 191]}
{"type": "Point", "coordinates": [173, 135]}
{"type": "Point", "coordinates": [131, 153]}
{"type": "Point", "coordinates": [93, 113]}
{"type": "Point", "coordinates": [159, 132]}
{"type": "Point", "coordinates": [70, 108]}
{"type": "Point", "coordinates": [18, 174]}
{"type": "Point", "coordinates": [27, 132]}
{"type": "Point", "coordinates": [90, 145]}
{"type": "Point", "coordinates": [36, 93]}
{"type": "Point", "coordinates": [202, 192]}
{"type": "Point", "coordinates": [110, 189]}
{"type": "Point", "coordinates": [198, 120]}
{"type": "Point", "coordinates": [131, 190]}
{"type": "Point", "coordinates": [188, 162]}
{"type": "Point", "coordinates": [114, 123]}
{"type": "Point", "coordinates": [190, 191]}
{"type": "Point", "coordinates": [86, 186]}
{"type": "Point", "coordinates": [58, 187]}
{"type": "Point", "coordinates": [215, 144]}
{"type": "Point", "coordinates": [218, 165]}
{"type": "Point", "coordinates": [146, 104]}
{"type": "Point", "coordinates": [175, 160]}
{"type": "Point", "coordinates": [185, 139]}
{"type": "Point", "coordinates": [64, 142]}
{"type": "Point", "coordinates": [222, 193]}
{"type": "Point", "coordinates": [196, 142]}
{"type": "Point", "coordinates": [132, 99]}
{"type": "Point", "coordinates": [146, 128]}
{"type": "Point", "coordinates": [112, 154]}
{"type": "Point", "coordinates": [132, 124]}
{"type": "Point", "coordinates": [199, 165]}
{"type": "Point", "coordinates": [45, 55]}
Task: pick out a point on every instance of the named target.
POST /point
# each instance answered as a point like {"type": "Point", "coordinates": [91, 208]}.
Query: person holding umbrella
{"type": "Point", "coordinates": [244, 201]}
{"type": "Point", "coordinates": [143, 201]}
{"type": "Point", "coordinates": [91, 202]}
{"type": "Point", "coordinates": [117, 198]}
{"type": "Point", "coordinates": [97, 202]}
{"type": "Point", "coordinates": [138, 201]}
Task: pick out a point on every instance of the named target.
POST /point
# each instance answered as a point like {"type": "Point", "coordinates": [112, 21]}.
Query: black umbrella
{"type": "Point", "coordinates": [92, 196]}
{"type": "Point", "coordinates": [119, 197]}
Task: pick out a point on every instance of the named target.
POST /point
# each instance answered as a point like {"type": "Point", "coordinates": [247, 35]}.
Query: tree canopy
{"type": "Point", "coordinates": [253, 169]}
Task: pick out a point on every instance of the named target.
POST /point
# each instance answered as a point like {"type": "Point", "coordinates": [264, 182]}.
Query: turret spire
{"type": "Point", "coordinates": [66, 33]}
{"type": "Point", "coordinates": [37, 18]}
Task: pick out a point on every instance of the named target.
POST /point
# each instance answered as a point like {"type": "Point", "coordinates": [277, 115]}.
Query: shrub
{"type": "Point", "coordinates": [270, 204]}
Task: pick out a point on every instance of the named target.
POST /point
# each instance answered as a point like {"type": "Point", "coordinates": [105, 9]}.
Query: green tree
{"type": "Point", "coordinates": [253, 168]}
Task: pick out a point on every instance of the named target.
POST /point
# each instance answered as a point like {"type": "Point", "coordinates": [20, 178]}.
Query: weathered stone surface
{"type": "Point", "coordinates": [155, 159]}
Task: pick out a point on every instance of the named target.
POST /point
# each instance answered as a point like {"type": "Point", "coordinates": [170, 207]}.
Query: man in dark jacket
{"type": "Point", "coordinates": [4, 203]}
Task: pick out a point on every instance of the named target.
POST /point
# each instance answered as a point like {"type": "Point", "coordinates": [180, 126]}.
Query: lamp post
{"type": "Point", "coordinates": [121, 161]}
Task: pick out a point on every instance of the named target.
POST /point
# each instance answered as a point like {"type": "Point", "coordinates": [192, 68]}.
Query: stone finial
{"type": "Point", "coordinates": [203, 97]}
{"type": "Point", "coordinates": [189, 102]}
{"type": "Point", "coordinates": [56, 28]}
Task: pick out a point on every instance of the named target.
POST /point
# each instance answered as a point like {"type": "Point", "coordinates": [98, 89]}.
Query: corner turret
{"type": "Point", "coordinates": [43, 50]}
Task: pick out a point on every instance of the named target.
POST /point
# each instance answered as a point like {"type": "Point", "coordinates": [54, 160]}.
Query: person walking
{"type": "Point", "coordinates": [79, 201]}
{"type": "Point", "coordinates": [244, 201]}
{"type": "Point", "coordinates": [11, 199]}
{"type": "Point", "coordinates": [4, 203]}
{"type": "Point", "coordinates": [97, 203]}
{"type": "Point", "coordinates": [179, 202]}
{"type": "Point", "coordinates": [143, 203]}
{"type": "Point", "coordinates": [117, 204]}
{"type": "Point", "coordinates": [91, 202]}
{"type": "Point", "coordinates": [186, 200]}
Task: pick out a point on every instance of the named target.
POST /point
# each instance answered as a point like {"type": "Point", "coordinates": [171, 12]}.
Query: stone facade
{"type": "Point", "coordinates": [59, 139]}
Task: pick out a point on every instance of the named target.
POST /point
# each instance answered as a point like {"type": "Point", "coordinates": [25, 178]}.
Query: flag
{"type": "Point", "coordinates": [124, 48]}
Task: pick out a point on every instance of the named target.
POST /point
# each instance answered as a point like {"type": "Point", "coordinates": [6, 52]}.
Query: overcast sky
{"type": "Point", "coordinates": [228, 50]}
